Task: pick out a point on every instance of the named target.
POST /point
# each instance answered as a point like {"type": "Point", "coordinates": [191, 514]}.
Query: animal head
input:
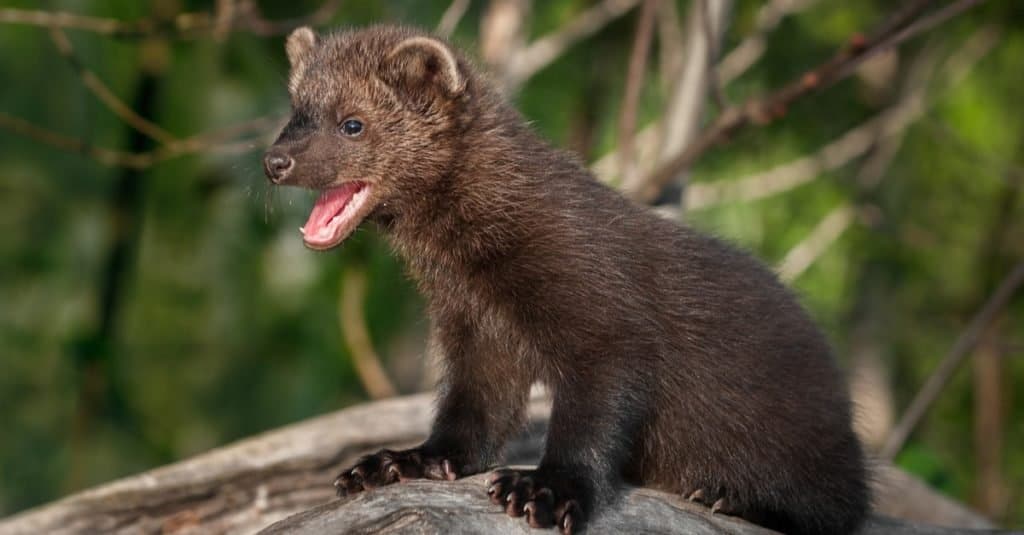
{"type": "Point", "coordinates": [376, 117]}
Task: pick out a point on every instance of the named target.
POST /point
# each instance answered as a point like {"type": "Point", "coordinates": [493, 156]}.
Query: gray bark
{"type": "Point", "coordinates": [281, 481]}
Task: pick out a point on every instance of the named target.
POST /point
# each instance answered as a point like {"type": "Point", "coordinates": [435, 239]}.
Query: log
{"type": "Point", "coordinates": [280, 482]}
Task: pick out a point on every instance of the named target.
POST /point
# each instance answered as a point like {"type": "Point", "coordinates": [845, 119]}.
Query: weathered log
{"type": "Point", "coordinates": [460, 507]}
{"type": "Point", "coordinates": [282, 479]}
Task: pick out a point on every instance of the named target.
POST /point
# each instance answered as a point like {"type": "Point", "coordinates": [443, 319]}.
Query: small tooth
{"type": "Point", "coordinates": [302, 230]}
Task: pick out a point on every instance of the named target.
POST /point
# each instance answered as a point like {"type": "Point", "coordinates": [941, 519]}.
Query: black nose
{"type": "Point", "coordinates": [276, 165]}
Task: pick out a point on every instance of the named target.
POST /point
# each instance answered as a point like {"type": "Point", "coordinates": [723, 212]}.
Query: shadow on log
{"type": "Point", "coordinates": [280, 482]}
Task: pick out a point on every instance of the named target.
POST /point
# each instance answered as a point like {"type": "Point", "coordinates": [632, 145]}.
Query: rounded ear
{"type": "Point", "coordinates": [300, 46]}
{"type": "Point", "coordinates": [420, 64]}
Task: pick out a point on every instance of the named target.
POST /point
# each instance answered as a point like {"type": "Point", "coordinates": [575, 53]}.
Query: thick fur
{"type": "Point", "coordinates": [676, 361]}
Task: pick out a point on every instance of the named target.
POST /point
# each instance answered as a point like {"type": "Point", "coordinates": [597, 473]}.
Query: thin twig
{"type": "Point", "coordinates": [60, 19]}
{"type": "Point", "coordinates": [224, 14]}
{"type": "Point", "coordinates": [671, 44]}
{"type": "Point", "coordinates": [104, 156]}
{"type": "Point", "coordinates": [353, 327]}
{"type": "Point", "coordinates": [216, 141]}
{"type": "Point", "coordinates": [745, 54]}
{"type": "Point", "coordinates": [254, 21]}
{"type": "Point", "coordinates": [543, 51]}
{"type": "Point", "coordinates": [671, 48]}
{"type": "Point", "coordinates": [802, 170]}
{"type": "Point", "coordinates": [827, 231]}
{"type": "Point", "coordinates": [889, 141]}
{"type": "Point", "coordinates": [102, 92]}
{"type": "Point", "coordinates": [635, 75]}
{"type": "Point", "coordinates": [712, 37]}
{"type": "Point", "coordinates": [685, 107]}
{"type": "Point", "coordinates": [245, 16]}
{"type": "Point", "coordinates": [503, 35]}
{"type": "Point", "coordinates": [960, 350]}
{"type": "Point", "coordinates": [451, 17]}
{"type": "Point", "coordinates": [853, 143]}
{"type": "Point", "coordinates": [764, 109]}
{"type": "Point", "coordinates": [885, 137]}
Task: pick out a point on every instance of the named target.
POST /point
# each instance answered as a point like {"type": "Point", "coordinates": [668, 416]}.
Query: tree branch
{"type": "Point", "coordinates": [543, 51]}
{"type": "Point", "coordinates": [245, 16]}
{"type": "Point", "coordinates": [670, 53]}
{"type": "Point", "coordinates": [898, 28]}
{"type": "Point", "coordinates": [852, 144]}
{"type": "Point", "coordinates": [451, 17]}
{"type": "Point", "coordinates": [684, 110]}
{"type": "Point", "coordinates": [215, 141]}
{"type": "Point", "coordinates": [357, 337]}
{"type": "Point", "coordinates": [502, 35]}
{"type": "Point", "coordinates": [635, 74]}
{"type": "Point", "coordinates": [960, 350]}
{"type": "Point", "coordinates": [827, 231]}
{"type": "Point", "coordinates": [712, 28]}
{"type": "Point", "coordinates": [102, 92]}
{"type": "Point", "coordinates": [745, 54]}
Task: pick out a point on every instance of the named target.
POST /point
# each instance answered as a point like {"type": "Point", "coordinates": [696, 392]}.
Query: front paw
{"type": "Point", "coordinates": [546, 499]}
{"type": "Point", "coordinates": [387, 466]}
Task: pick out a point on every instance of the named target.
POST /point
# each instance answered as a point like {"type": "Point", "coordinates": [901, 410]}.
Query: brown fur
{"type": "Point", "coordinates": [676, 361]}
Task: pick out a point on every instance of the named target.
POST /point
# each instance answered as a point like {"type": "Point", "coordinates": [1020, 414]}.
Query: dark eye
{"type": "Point", "coordinates": [352, 127]}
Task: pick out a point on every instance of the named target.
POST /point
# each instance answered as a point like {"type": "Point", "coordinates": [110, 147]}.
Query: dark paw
{"type": "Point", "coordinates": [387, 466]}
{"type": "Point", "coordinates": [544, 499]}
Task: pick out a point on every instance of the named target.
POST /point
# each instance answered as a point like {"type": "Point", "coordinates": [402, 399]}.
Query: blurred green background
{"type": "Point", "coordinates": [153, 311]}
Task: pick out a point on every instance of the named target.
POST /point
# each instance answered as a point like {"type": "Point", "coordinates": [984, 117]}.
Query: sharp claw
{"type": "Point", "coordinates": [394, 474]}
{"type": "Point", "coordinates": [696, 495]}
{"type": "Point", "coordinates": [448, 471]}
{"type": "Point", "coordinates": [567, 525]}
{"type": "Point", "coordinates": [718, 505]}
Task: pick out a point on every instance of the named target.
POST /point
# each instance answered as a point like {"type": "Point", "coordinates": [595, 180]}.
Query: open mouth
{"type": "Point", "coordinates": [336, 213]}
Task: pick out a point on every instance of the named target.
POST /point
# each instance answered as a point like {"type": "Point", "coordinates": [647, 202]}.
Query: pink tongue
{"type": "Point", "coordinates": [330, 203]}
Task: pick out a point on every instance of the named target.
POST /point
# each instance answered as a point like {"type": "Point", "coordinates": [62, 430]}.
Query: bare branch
{"type": "Point", "coordinates": [764, 109]}
{"type": "Point", "coordinates": [960, 350]}
{"type": "Point", "coordinates": [357, 337]}
{"type": "Point", "coordinates": [224, 14]}
{"type": "Point", "coordinates": [91, 81]}
{"type": "Point", "coordinates": [741, 58]}
{"type": "Point", "coordinates": [855, 142]}
{"type": "Point", "coordinates": [217, 141]}
{"type": "Point", "coordinates": [671, 44]}
{"type": "Point", "coordinates": [671, 48]}
{"type": "Point", "coordinates": [826, 232]}
{"type": "Point", "coordinates": [502, 35]}
{"type": "Point", "coordinates": [252, 18]}
{"type": "Point", "coordinates": [787, 176]}
{"type": "Point", "coordinates": [451, 17]}
{"type": "Point", "coordinates": [105, 156]}
{"type": "Point", "coordinates": [543, 51]}
{"type": "Point", "coordinates": [712, 26]}
{"type": "Point", "coordinates": [105, 26]}
{"type": "Point", "coordinates": [890, 140]}
{"type": "Point", "coordinates": [635, 75]}
{"type": "Point", "coordinates": [244, 16]}
{"type": "Point", "coordinates": [885, 136]}
{"type": "Point", "coordinates": [684, 110]}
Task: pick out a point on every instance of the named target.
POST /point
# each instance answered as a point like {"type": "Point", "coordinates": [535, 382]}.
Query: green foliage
{"type": "Point", "coordinates": [225, 326]}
